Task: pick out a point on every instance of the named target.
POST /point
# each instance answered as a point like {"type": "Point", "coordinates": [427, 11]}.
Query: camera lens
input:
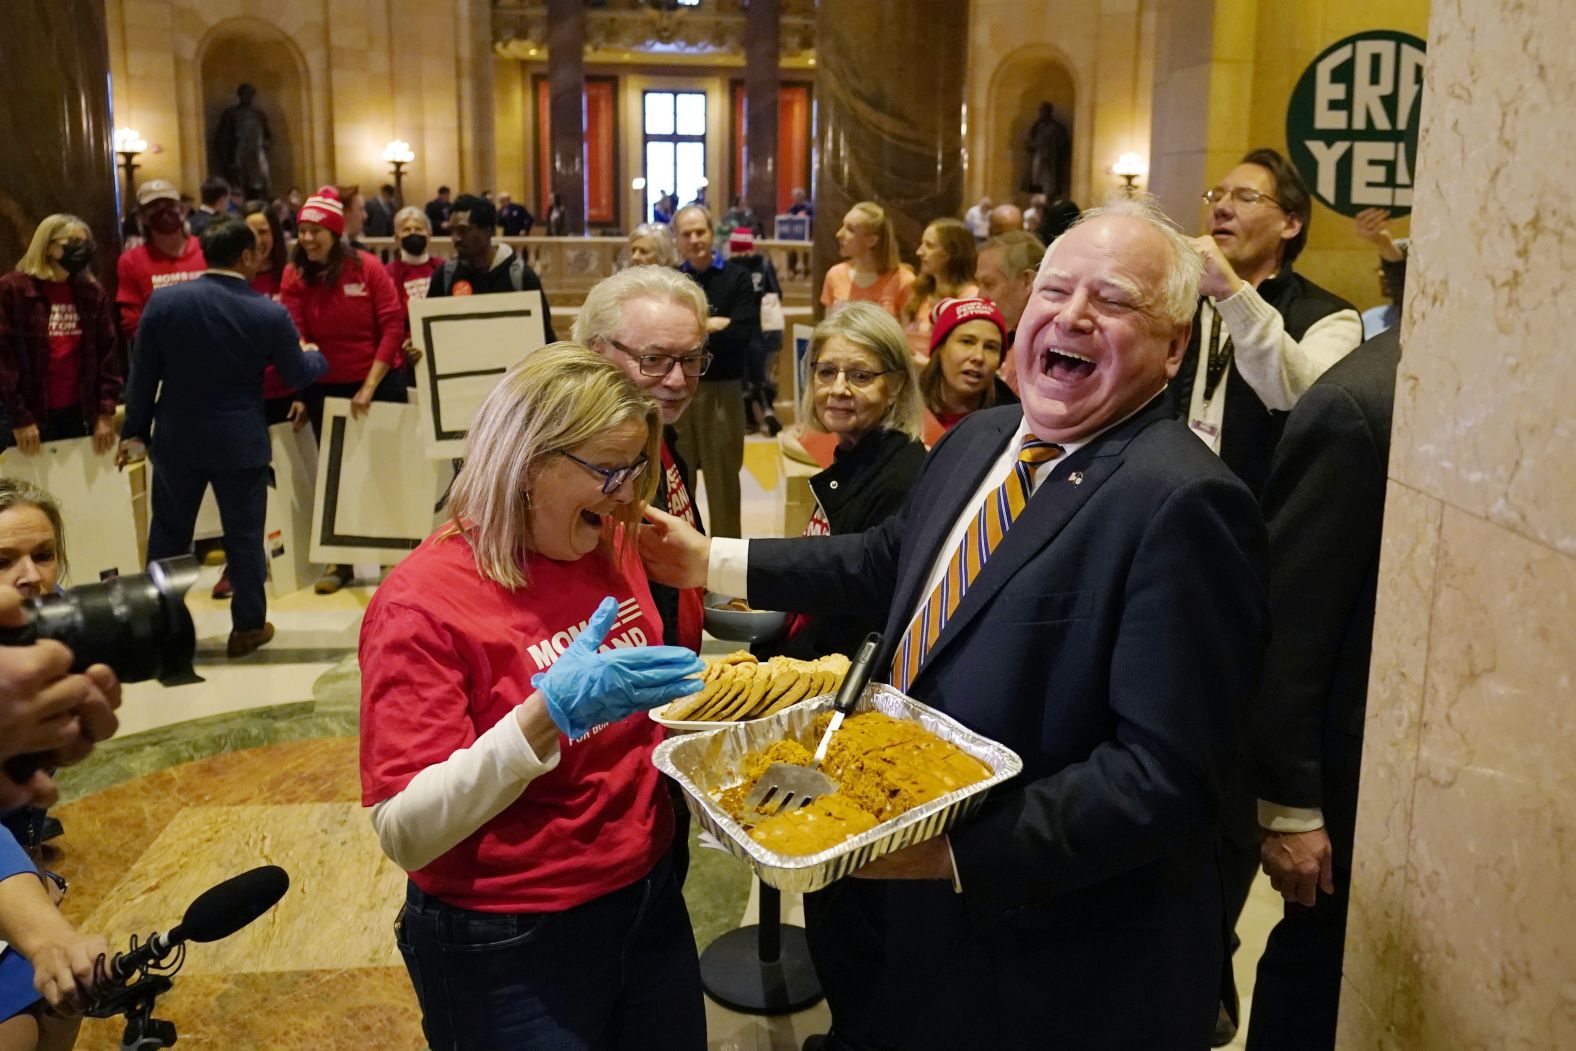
{"type": "Point", "coordinates": [138, 625]}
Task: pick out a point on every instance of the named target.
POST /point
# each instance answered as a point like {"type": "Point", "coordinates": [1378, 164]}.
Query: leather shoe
{"type": "Point", "coordinates": [222, 588]}
{"type": "Point", "coordinates": [244, 642]}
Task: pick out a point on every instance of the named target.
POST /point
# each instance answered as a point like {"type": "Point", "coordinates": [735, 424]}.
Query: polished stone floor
{"type": "Point", "coordinates": [257, 765]}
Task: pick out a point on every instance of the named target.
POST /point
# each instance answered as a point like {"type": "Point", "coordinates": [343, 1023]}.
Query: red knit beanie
{"type": "Point", "coordinates": [741, 241]}
{"type": "Point", "coordinates": [950, 313]}
{"type": "Point", "coordinates": [325, 209]}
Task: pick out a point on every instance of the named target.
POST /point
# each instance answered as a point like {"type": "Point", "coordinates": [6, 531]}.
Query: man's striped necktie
{"type": "Point", "coordinates": [990, 524]}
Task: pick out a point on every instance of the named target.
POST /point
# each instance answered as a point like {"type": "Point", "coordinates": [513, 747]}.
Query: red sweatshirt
{"type": "Point", "coordinates": [354, 321]}
{"type": "Point", "coordinates": [143, 269]}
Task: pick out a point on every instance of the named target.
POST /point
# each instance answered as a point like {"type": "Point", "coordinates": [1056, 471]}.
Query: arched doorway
{"type": "Point", "coordinates": [245, 50]}
{"type": "Point", "coordinates": [1026, 80]}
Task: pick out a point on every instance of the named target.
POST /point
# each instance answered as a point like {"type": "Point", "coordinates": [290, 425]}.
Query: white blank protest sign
{"type": "Point", "coordinates": [287, 525]}
{"type": "Point", "coordinates": [96, 503]}
{"type": "Point", "coordinates": [376, 491]}
{"type": "Point", "coordinates": [468, 343]}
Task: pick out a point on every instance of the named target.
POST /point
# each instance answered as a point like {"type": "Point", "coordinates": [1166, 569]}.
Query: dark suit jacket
{"type": "Point", "coordinates": [208, 342]}
{"type": "Point", "coordinates": [1324, 504]}
{"type": "Point", "coordinates": [1111, 640]}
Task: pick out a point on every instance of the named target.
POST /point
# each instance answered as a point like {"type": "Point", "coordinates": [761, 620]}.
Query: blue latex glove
{"type": "Point", "coordinates": [585, 689]}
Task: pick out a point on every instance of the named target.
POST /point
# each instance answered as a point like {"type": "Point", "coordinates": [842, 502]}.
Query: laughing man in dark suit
{"type": "Point", "coordinates": [1110, 638]}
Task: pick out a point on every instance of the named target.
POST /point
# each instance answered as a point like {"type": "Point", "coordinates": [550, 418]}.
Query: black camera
{"type": "Point", "coordinates": [138, 625]}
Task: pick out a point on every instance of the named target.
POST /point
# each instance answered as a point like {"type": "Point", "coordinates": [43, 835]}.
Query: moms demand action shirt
{"type": "Point", "coordinates": [446, 654]}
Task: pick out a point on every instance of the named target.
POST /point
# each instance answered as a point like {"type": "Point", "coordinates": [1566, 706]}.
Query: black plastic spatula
{"type": "Point", "coordinates": [784, 786]}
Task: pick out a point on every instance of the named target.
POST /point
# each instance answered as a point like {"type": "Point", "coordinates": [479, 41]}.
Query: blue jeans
{"type": "Point", "coordinates": [619, 972]}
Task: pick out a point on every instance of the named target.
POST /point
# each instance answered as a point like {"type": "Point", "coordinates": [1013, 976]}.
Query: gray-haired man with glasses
{"type": "Point", "coordinates": [1262, 335]}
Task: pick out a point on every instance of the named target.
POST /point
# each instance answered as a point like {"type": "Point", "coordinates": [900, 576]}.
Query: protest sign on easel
{"type": "Point", "coordinates": [376, 492]}
{"type": "Point", "coordinates": [467, 344]}
{"type": "Point", "coordinates": [97, 504]}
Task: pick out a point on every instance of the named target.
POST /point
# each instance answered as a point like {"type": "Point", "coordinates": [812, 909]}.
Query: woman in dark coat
{"type": "Point", "coordinates": [60, 368]}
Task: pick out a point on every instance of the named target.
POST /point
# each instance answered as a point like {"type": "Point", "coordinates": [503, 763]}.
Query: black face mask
{"type": "Point", "coordinates": [415, 244]}
{"type": "Point", "coordinates": [74, 258]}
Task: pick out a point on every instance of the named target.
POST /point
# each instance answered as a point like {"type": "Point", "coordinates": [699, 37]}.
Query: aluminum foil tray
{"type": "Point", "coordinates": [704, 763]}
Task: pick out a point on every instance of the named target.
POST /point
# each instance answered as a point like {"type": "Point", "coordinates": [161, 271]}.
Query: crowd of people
{"type": "Point", "coordinates": [1073, 482]}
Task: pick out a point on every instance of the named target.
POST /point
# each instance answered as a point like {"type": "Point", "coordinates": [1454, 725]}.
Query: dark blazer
{"type": "Point", "coordinates": [208, 341]}
{"type": "Point", "coordinates": [1324, 505]}
{"type": "Point", "coordinates": [1111, 641]}
{"type": "Point", "coordinates": [863, 487]}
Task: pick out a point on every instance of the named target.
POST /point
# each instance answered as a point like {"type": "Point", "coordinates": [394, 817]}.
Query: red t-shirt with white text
{"type": "Point", "coordinates": [144, 270]}
{"type": "Point", "coordinates": [446, 654]}
{"type": "Point", "coordinates": [65, 347]}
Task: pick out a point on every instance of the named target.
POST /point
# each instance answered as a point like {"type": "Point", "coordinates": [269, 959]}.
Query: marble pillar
{"type": "Point", "coordinates": [889, 115]}
{"type": "Point", "coordinates": [1463, 884]}
{"type": "Point", "coordinates": [56, 125]}
{"type": "Point", "coordinates": [760, 98]}
{"type": "Point", "coordinates": [566, 38]}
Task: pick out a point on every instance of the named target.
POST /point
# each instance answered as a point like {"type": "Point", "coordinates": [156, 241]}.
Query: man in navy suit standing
{"type": "Point", "coordinates": [1083, 582]}
{"type": "Point", "coordinates": [208, 342]}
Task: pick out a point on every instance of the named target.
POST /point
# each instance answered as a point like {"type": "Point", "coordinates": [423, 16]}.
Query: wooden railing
{"type": "Point", "coordinates": [569, 266]}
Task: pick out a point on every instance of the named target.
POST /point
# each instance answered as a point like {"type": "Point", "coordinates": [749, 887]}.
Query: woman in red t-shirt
{"type": "Point", "coordinates": [60, 368]}
{"type": "Point", "coordinates": [505, 753]}
{"type": "Point", "coordinates": [411, 271]}
{"type": "Point", "coordinates": [342, 301]}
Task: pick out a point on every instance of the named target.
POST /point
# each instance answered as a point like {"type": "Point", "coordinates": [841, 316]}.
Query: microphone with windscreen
{"type": "Point", "coordinates": [217, 912]}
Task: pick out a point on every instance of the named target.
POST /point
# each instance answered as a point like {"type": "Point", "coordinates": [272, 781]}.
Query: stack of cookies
{"type": "Point", "coordinates": [739, 686]}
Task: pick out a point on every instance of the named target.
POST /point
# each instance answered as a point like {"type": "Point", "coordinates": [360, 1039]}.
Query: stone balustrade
{"type": "Point", "coordinates": [569, 266]}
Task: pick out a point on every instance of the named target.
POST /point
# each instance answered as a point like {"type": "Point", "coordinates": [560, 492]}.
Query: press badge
{"type": "Point", "coordinates": [1207, 432]}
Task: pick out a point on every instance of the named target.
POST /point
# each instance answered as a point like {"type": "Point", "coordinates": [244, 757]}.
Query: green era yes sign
{"type": "Point", "coordinates": [1351, 127]}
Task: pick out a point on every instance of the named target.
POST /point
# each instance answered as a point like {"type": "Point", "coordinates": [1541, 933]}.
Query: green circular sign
{"type": "Point", "coordinates": [1351, 126]}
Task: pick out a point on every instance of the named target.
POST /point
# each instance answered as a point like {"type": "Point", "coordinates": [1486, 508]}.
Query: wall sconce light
{"type": "Point", "coordinates": [1129, 167]}
{"type": "Point", "coordinates": [128, 143]}
{"type": "Point", "coordinates": [398, 154]}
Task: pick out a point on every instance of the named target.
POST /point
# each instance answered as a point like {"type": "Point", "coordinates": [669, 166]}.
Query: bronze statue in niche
{"type": "Point", "coordinates": [241, 144]}
{"type": "Point", "coordinates": [1050, 147]}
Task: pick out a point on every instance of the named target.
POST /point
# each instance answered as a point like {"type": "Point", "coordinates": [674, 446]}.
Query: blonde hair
{"type": "Point", "coordinates": [411, 211]}
{"type": "Point", "coordinates": [879, 223]}
{"type": "Point", "coordinates": [662, 234]}
{"type": "Point", "coordinates": [602, 314]}
{"type": "Point", "coordinates": [18, 492]}
{"type": "Point", "coordinates": [557, 398]}
{"type": "Point", "coordinates": [871, 329]}
{"type": "Point", "coordinates": [35, 262]}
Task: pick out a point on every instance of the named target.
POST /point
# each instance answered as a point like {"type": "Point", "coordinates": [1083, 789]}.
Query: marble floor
{"type": "Point", "coordinates": [257, 765]}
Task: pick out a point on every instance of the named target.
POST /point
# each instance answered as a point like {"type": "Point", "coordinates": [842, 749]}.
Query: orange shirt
{"type": "Point", "coordinates": [891, 290]}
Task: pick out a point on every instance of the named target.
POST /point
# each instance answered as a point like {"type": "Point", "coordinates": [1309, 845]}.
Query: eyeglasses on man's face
{"type": "Point", "coordinates": [1240, 194]}
{"type": "Point", "coordinates": [826, 375]}
{"type": "Point", "coordinates": [694, 364]}
{"type": "Point", "coordinates": [613, 477]}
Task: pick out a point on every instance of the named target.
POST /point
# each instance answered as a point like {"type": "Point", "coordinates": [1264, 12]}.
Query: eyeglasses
{"type": "Point", "coordinates": [613, 477]}
{"type": "Point", "coordinates": [1240, 194]}
{"type": "Point", "coordinates": [826, 375]}
{"type": "Point", "coordinates": [659, 365]}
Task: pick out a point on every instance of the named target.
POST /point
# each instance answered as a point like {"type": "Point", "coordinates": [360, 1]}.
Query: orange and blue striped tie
{"type": "Point", "coordinates": [995, 517]}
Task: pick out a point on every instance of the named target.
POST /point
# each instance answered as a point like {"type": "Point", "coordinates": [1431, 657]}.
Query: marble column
{"type": "Point", "coordinates": [566, 76]}
{"type": "Point", "coordinates": [56, 125]}
{"type": "Point", "coordinates": [1463, 885]}
{"type": "Point", "coordinates": [889, 115]}
{"type": "Point", "coordinates": [760, 98]}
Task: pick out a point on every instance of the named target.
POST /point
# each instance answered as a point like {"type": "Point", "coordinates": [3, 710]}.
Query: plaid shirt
{"type": "Point", "coordinates": [24, 350]}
